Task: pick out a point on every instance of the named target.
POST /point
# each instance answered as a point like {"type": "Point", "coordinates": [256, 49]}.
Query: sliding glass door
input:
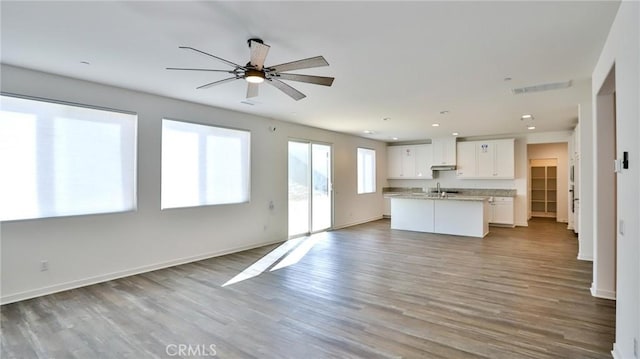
{"type": "Point", "coordinates": [310, 199]}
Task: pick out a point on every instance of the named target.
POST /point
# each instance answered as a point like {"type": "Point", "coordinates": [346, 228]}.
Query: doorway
{"type": "Point", "coordinates": [310, 192]}
{"type": "Point", "coordinates": [606, 194]}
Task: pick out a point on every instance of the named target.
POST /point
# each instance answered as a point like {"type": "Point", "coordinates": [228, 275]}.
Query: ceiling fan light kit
{"type": "Point", "coordinates": [254, 72]}
{"type": "Point", "coordinates": [254, 76]}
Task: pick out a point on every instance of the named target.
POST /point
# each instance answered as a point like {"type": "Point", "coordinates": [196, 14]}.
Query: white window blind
{"type": "Point", "coordinates": [366, 170]}
{"type": "Point", "coordinates": [204, 165]}
{"type": "Point", "coordinates": [60, 160]}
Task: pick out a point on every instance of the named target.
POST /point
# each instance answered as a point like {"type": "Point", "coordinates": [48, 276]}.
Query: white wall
{"type": "Point", "coordinates": [93, 248]}
{"type": "Point", "coordinates": [560, 152]}
{"type": "Point", "coordinates": [623, 49]}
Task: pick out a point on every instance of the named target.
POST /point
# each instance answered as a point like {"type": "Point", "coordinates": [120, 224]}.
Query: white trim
{"type": "Point", "coordinates": [357, 223]}
{"type": "Point", "coordinates": [16, 297]}
{"type": "Point", "coordinates": [616, 353]}
{"type": "Point", "coordinates": [583, 257]}
{"type": "Point", "coordinates": [605, 294]}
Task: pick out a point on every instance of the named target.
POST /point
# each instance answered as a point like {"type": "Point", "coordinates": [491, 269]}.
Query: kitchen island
{"type": "Point", "coordinates": [457, 215]}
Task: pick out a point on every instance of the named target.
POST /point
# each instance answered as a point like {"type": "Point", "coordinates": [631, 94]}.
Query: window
{"type": "Point", "coordinates": [59, 159]}
{"type": "Point", "coordinates": [204, 165]}
{"type": "Point", "coordinates": [366, 170]}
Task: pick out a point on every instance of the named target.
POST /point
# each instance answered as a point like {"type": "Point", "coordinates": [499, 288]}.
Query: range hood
{"type": "Point", "coordinates": [443, 167]}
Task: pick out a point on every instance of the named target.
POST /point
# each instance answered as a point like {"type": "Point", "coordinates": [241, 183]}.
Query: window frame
{"type": "Point", "coordinates": [134, 160]}
{"type": "Point", "coordinates": [358, 171]}
{"type": "Point", "coordinates": [216, 126]}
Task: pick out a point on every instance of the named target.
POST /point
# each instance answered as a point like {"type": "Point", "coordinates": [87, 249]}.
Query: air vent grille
{"type": "Point", "coordinates": [540, 88]}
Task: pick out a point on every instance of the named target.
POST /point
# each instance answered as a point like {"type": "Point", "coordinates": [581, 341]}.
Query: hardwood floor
{"type": "Point", "coordinates": [361, 292]}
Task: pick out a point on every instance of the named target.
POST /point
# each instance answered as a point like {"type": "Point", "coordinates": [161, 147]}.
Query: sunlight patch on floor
{"type": "Point", "coordinates": [296, 248]}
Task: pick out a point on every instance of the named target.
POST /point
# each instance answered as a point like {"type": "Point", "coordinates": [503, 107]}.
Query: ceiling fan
{"type": "Point", "coordinates": [254, 72]}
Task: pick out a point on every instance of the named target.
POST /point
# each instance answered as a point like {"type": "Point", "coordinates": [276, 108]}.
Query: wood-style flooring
{"type": "Point", "coordinates": [361, 292]}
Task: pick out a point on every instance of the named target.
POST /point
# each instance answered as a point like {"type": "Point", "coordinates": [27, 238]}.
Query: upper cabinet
{"type": "Point", "coordinates": [444, 151]}
{"type": "Point", "coordinates": [492, 159]}
{"type": "Point", "coordinates": [409, 162]}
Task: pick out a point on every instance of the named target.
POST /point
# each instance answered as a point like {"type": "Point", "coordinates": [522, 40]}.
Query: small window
{"type": "Point", "coordinates": [60, 159]}
{"type": "Point", "coordinates": [366, 170]}
{"type": "Point", "coordinates": [204, 165]}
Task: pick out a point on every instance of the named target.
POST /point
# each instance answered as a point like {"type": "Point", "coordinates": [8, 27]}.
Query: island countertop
{"type": "Point", "coordinates": [447, 197]}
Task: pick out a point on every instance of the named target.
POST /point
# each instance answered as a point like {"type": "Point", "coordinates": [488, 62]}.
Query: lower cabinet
{"type": "Point", "coordinates": [501, 211]}
{"type": "Point", "coordinates": [387, 207]}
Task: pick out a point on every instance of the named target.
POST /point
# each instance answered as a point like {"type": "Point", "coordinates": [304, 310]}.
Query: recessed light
{"type": "Point", "coordinates": [526, 117]}
{"type": "Point", "coordinates": [508, 78]}
{"type": "Point", "coordinates": [386, 119]}
{"type": "Point", "coordinates": [531, 127]}
{"type": "Point", "coordinates": [368, 132]}
{"type": "Point", "coordinates": [435, 124]}
{"type": "Point", "coordinates": [455, 133]}
{"type": "Point", "coordinates": [444, 112]}
{"type": "Point", "coordinates": [394, 138]}
{"type": "Point", "coordinates": [85, 62]}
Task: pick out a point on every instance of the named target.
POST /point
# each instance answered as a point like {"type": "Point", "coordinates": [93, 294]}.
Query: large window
{"type": "Point", "coordinates": [58, 159]}
{"type": "Point", "coordinates": [366, 170]}
{"type": "Point", "coordinates": [204, 165]}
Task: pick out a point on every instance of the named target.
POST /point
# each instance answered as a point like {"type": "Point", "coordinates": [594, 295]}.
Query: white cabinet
{"type": "Point", "coordinates": [444, 151]}
{"type": "Point", "coordinates": [504, 165]}
{"type": "Point", "coordinates": [423, 160]}
{"type": "Point", "coordinates": [466, 166]}
{"type": "Point", "coordinates": [386, 212]}
{"type": "Point", "coordinates": [394, 161]}
{"type": "Point", "coordinates": [492, 159]}
{"type": "Point", "coordinates": [501, 211]}
{"type": "Point", "coordinates": [409, 162]}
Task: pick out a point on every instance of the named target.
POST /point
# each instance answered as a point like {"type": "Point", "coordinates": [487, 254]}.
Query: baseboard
{"type": "Point", "coordinates": [605, 294]}
{"type": "Point", "coordinates": [357, 223]}
{"type": "Point", "coordinates": [16, 297]}
{"type": "Point", "coordinates": [583, 257]}
{"type": "Point", "coordinates": [522, 224]}
{"type": "Point", "coordinates": [616, 353]}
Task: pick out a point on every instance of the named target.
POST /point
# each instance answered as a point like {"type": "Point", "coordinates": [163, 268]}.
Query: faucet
{"type": "Point", "coordinates": [438, 187]}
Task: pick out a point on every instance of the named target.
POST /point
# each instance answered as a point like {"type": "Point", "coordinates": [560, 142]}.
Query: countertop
{"type": "Point", "coordinates": [448, 197]}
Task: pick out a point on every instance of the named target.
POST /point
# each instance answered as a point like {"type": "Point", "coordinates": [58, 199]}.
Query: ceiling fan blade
{"type": "Point", "coordinates": [295, 94]}
{"type": "Point", "coordinates": [205, 86]}
{"type": "Point", "coordinates": [259, 52]}
{"type": "Point", "coordinates": [252, 89]}
{"type": "Point", "coordinates": [215, 57]}
{"type": "Point", "coordinates": [188, 69]}
{"type": "Point", "coordinates": [316, 80]}
{"type": "Point", "coordinates": [317, 61]}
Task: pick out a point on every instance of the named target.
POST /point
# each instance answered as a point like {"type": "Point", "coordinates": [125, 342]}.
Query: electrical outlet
{"type": "Point", "coordinates": [44, 266]}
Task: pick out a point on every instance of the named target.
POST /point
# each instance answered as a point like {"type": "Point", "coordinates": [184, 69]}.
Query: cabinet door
{"type": "Point", "coordinates": [423, 161]}
{"type": "Point", "coordinates": [444, 151]}
{"type": "Point", "coordinates": [503, 210]}
{"type": "Point", "coordinates": [504, 159]}
{"type": "Point", "coordinates": [466, 163]}
{"type": "Point", "coordinates": [394, 162]}
{"type": "Point", "coordinates": [408, 162]}
{"type": "Point", "coordinates": [486, 158]}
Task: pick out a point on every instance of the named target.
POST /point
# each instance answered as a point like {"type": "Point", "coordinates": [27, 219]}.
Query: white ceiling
{"type": "Point", "coordinates": [403, 60]}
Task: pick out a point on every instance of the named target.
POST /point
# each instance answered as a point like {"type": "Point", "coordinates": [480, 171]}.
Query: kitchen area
{"type": "Point", "coordinates": [451, 187]}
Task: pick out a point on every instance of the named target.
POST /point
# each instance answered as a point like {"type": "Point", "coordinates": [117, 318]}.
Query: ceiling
{"type": "Point", "coordinates": [405, 61]}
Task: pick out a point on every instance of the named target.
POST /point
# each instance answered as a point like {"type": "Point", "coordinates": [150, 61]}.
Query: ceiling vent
{"type": "Point", "coordinates": [540, 88]}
